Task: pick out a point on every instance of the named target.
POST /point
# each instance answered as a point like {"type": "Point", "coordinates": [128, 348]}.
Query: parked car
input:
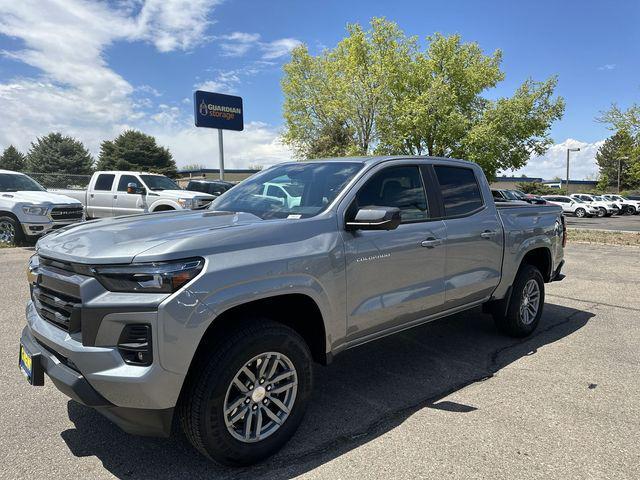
{"type": "Point", "coordinates": [506, 196]}
{"type": "Point", "coordinates": [574, 206]}
{"type": "Point", "coordinates": [630, 207]}
{"type": "Point", "coordinates": [217, 316]}
{"type": "Point", "coordinates": [633, 197]}
{"type": "Point", "coordinates": [111, 194]}
{"type": "Point", "coordinates": [605, 209]}
{"type": "Point", "coordinates": [211, 187]}
{"type": "Point", "coordinates": [28, 211]}
{"type": "Point", "coordinates": [288, 193]}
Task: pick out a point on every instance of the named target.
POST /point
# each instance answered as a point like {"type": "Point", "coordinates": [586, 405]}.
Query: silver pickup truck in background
{"type": "Point", "coordinates": [217, 316]}
{"type": "Point", "coordinates": [111, 194]}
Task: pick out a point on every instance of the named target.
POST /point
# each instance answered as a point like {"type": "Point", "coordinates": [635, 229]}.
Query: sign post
{"type": "Point", "coordinates": [215, 110]}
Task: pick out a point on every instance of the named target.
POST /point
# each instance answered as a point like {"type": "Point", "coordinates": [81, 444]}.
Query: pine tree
{"type": "Point", "coordinates": [57, 153]}
{"type": "Point", "coordinates": [136, 151]}
{"type": "Point", "coordinates": [12, 159]}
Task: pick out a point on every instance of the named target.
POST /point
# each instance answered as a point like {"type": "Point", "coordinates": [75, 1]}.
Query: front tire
{"type": "Point", "coordinates": [250, 393]}
{"type": "Point", "coordinates": [526, 304]}
{"type": "Point", "coordinates": [10, 231]}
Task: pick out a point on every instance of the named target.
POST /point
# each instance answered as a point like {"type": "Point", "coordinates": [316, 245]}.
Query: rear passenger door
{"type": "Point", "coordinates": [474, 242]}
{"type": "Point", "coordinates": [101, 196]}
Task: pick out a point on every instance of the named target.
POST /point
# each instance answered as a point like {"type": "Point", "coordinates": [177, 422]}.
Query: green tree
{"type": "Point", "coordinates": [57, 153]}
{"type": "Point", "coordinates": [133, 150]}
{"type": "Point", "coordinates": [12, 159]}
{"type": "Point", "coordinates": [398, 99]}
{"type": "Point", "coordinates": [618, 151]}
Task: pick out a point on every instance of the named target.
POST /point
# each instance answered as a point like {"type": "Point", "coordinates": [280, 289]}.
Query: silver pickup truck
{"type": "Point", "coordinates": [216, 317]}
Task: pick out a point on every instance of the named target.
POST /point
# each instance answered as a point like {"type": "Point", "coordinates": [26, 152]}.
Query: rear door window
{"type": "Point", "coordinates": [104, 182]}
{"type": "Point", "coordinates": [460, 191]}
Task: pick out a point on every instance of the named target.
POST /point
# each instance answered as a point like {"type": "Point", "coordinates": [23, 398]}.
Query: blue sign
{"type": "Point", "coordinates": [215, 110]}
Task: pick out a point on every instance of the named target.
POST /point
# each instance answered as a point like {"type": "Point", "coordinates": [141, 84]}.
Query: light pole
{"type": "Point", "coordinates": [569, 150]}
{"type": "Point", "coordinates": [619, 169]}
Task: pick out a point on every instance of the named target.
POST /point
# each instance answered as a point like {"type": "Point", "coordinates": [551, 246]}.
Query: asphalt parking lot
{"type": "Point", "coordinates": [629, 223]}
{"type": "Point", "coordinates": [452, 399]}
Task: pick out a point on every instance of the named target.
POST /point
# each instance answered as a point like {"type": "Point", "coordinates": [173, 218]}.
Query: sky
{"type": "Point", "coordinates": [92, 69]}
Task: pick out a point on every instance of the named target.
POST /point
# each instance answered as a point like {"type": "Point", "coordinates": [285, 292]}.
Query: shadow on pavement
{"type": "Point", "coordinates": [366, 392]}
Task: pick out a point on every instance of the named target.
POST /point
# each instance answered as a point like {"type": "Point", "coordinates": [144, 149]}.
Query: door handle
{"type": "Point", "coordinates": [488, 234]}
{"type": "Point", "coordinates": [115, 196]}
{"type": "Point", "coordinates": [431, 242]}
{"type": "Point", "coordinates": [92, 195]}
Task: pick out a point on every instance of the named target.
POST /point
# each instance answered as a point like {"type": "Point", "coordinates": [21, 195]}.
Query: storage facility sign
{"type": "Point", "coordinates": [215, 110]}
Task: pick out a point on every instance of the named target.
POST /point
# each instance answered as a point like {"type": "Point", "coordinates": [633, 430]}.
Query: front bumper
{"type": "Point", "coordinates": [37, 229]}
{"type": "Point", "coordinates": [66, 377]}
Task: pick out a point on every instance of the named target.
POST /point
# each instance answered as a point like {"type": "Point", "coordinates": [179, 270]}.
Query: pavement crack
{"type": "Point", "coordinates": [594, 303]}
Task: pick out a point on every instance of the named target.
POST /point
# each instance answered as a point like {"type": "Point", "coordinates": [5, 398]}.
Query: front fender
{"type": "Point", "coordinates": [164, 203]}
{"type": "Point", "coordinates": [186, 318]}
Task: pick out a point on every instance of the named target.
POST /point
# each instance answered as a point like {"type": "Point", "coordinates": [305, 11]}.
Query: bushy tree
{"type": "Point", "coordinates": [618, 151]}
{"type": "Point", "coordinates": [136, 151]}
{"type": "Point", "coordinates": [394, 98]}
{"type": "Point", "coordinates": [57, 153]}
{"type": "Point", "coordinates": [12, 159]}
{"type": "Point", "coordinates": [536, 188]}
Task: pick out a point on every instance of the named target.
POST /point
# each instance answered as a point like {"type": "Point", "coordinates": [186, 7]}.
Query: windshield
{"type": "Point", "coordinates": [299, 190]}
{"type": "Point", "coordinates": [159, 182]}
{"type": "Point", "coordinates": [18, 183]}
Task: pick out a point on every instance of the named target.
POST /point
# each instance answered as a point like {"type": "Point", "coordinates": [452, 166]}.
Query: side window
{"type": "Point", "coordinates": [460, 190]}
{"type": "Point", "coordinates": [274, 191]}
{"type": "Point", "coordinates": [104, 182]}
{"type": "Point", "coordinates": [126, 180]}
{"type": "Point", "coordinates": [399, 187]}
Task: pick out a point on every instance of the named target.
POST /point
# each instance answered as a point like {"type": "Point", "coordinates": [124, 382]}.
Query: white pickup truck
{"type": "Point", "coordinates": [28, 211]}
{"type": "Point", "coordinates": [111, 194]}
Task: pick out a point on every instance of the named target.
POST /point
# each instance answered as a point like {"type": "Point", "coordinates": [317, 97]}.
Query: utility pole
{"type": "Point", "coordinates": [569, 150]}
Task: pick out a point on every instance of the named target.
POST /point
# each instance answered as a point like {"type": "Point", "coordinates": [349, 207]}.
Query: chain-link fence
{"type": "Point", "coordinates": [61, 180]}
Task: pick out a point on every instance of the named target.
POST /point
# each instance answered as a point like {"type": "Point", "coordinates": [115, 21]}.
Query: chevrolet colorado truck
{"type": "Point", "coordinates": [112, 194]}
{"type": "Point", "coordinates": [28, 211]}
{"type": "Point", "coordinates": [215, 318]}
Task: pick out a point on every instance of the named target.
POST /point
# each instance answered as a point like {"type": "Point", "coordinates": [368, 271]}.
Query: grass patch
{"type": "Point", "coordinates": [603, 237]}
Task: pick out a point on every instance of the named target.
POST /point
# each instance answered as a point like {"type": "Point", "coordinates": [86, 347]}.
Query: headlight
{"type": "Point", "coordinates": [185, 202]}
{"type": "Point", "coordinates": [160, 277]}
{"type": "Point", "coordinates": [35, 210]}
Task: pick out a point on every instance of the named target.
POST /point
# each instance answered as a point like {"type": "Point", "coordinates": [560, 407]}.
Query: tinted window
{"type": "Point", "coordinates": [273, 191]}
{"type": "Point", "coordinates": [399, 187]}
{"type": "Point", "coordinates": [126, 180]}
{"type": "Point", "coordinates": [460, 191]}
{"type": "Point", "coordinates": [159, 182]}
{"type": "Point", "coordinates": [104, 181]}
{"type": "Point", "coordinates": [197, 187]}
{"type": "Point", "coordinates": [18, 183]}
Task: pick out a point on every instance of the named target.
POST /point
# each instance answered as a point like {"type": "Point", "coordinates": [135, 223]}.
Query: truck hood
{"type": "Point", "coordinates": [119, 240]}
{"type": "Point", "coordinates": [39, 198]}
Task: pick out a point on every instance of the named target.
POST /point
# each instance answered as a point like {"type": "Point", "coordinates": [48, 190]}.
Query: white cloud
{"type": "Point", "coordinates": [278, 48]}
{"type": "Point", "coordinates": [608, 66]}
{"type": "Point", "coordinates": [582, 164]}
{"type": "Point", "coordinates": [238, 44]}
{"type": "Point", "coordinates": [223, 82]}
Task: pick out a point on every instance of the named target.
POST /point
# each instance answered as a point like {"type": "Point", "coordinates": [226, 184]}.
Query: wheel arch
{"type": "Point", "coordinates": [539, 257]}
{"type": "Point", "coordinates": [164, 205]}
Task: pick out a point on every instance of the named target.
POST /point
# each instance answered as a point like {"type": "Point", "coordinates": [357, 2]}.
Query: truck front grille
{"type": "Point", "coordinates": [61, 310]}
{"type": "Point", "coordinates": [66, 213]}
{"type": "Point", "coordinates": [200, 203]}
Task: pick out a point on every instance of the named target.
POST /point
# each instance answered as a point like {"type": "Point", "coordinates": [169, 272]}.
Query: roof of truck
{"type": "Point", "coordinates": [127, 172]}
{"type": "Point", "coordinates": [383, 158]}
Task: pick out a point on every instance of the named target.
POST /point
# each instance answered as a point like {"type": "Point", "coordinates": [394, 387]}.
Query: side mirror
{"type": "Point", "coordinates": [135, 189]}
{"type": "Point", "coordinates": [375, 218]}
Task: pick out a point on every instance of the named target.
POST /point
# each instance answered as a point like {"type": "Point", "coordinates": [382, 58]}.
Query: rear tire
{"type": "Point", "coordinates": [525, 306]}
{"type": "Point", "coordinates": [209, 419]}
{"type": "Point", "coordinates": [580, 212]}
{"type": "Point", "coordinates": [602, 212]}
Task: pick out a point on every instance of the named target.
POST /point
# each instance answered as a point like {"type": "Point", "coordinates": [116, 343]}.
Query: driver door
{"type": "Point", "coordinates": [128, 203]}
{"type": "Point", "coordinates": [396, 276]}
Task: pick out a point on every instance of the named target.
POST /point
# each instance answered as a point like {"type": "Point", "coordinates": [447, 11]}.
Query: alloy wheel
{"type": "Point", "coordinates": [260, 397]}
{"type": "Point", "coordinates": [530, 302]}
{"type": "Point", "coordinates": [7, 232]}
